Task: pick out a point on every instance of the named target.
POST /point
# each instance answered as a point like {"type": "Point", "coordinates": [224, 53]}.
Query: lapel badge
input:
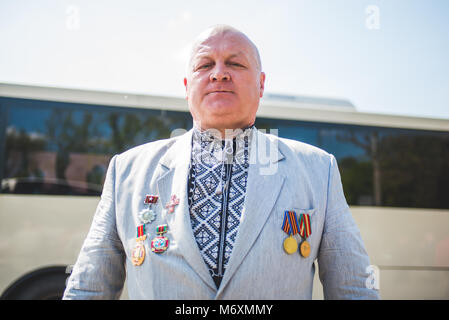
{"type": "Point", "coordinates": [138, 252]}
{"type": "Point", "coordinates": [160, 243]}
{"type": "Point", "coordinates": [174, 201]}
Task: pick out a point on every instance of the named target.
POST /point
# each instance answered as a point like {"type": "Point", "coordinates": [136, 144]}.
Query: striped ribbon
{"type": "Point", "coordinates": [161, 229]}
{"type": "Point", "coordinates": [290, 224]}
{"type": "Point", "coordinates": [305, 230]}
{"type": "Point", "coordinates": [140, 230]}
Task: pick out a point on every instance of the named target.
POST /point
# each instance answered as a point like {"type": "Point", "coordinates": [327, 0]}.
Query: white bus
{"type": "Point", "coordinates": [56, 145]}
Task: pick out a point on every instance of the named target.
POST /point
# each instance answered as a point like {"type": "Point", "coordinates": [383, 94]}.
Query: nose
{"type": "Point", "coordinates": [219, 73]}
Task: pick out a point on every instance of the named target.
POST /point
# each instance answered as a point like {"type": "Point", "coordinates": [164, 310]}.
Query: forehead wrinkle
{"type": "Point", "coordinates": [201, 45]}
{"type": "Point", "coordinates": [207, 55]}
{"type": "Point", "coordinates": [211, 56]}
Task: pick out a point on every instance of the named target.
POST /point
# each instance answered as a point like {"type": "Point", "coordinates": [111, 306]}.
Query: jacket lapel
{"type": "Point", "coordinates": [258, 202]}
{"type": "Point", "coordinates": [173, 181]}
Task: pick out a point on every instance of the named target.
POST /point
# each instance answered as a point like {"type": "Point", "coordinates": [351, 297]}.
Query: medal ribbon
{"type": "Point", "coordinates": [305, 230]}
{"type": "Point", "coordinates": [140, 230]}
{"type": "Point", "coordinates": [149, 199]}
{"type": "Point", "coordinates": [161, 229]}
{"type": "Point", "coordinates": [290, 224]}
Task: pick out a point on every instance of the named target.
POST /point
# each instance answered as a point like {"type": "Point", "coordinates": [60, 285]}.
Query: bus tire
{"type": "Point", "coordinates": [43, 284]}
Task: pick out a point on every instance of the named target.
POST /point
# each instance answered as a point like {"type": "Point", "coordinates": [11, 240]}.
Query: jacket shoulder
{"type": "Point", "coordinates": [152, 151]}
{"type": "Point", "coordinates": [302, 150]}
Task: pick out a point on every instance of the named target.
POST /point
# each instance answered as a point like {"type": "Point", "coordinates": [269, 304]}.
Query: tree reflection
{"type": "Point", "coordinates": [357, 180]}
{"type": "Point", "coordinates": [67, 135]}
{"type": "Point", "coordinates": [369, 142]}
{"type": "Point", "coordinates": [19, 147]}
{"type": "Point", "coordinates": [73, 147]}
{"type": "Point", "coordinates": [406, 169]}
{"type": "Point", "coordinates": [108, 133]}
{"type": "Point", "coordinates": [415, 169]}
{"type": "Point", "coordinates": [379, 166]}
{"type": "Point", "coordinates": [132, 129]}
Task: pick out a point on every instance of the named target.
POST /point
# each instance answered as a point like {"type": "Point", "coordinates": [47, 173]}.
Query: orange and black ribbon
{"type": "Point", "coordinates": [290, 224]}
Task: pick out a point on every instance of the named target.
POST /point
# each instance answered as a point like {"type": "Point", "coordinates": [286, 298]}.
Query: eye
{"type": "Point", "coordinates": [204, 66]}
{"type": "Point", "coordinates": [236, 64]}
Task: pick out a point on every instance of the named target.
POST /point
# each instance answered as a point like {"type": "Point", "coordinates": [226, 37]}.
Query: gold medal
{"type": "Point", "coordinates": [305, 230]}
{"type": "Point", "coordinates": [138, 253]}
{"type": "Point", "coordinates": [304, 249]}
{"type": "Point", "coordinates": [290, 245]}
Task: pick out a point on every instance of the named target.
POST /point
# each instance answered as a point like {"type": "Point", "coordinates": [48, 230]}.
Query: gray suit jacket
{"type": "Point", "coordinates": [283, 175]}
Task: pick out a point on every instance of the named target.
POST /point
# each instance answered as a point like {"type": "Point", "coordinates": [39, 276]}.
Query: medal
{"type": "Point", "coordinates": [148, 215]}
{"type": "Point", "coordinates": [174, 201]}
{"type": "Point", "coordinates": [138, 253]}
{"type": "Point", "coordinates": [290, 226]}
{"type": "Point", "coordinates": [160, 243]}
{"type": "Point", "coordinates": [290, 245]}
{"type": "Point", "coordinates": [304, 249]}
{"type": "Point", "coordinates": [305, 230]}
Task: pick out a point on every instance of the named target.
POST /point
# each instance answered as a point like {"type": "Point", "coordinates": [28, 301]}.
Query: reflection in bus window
{"type": "Point", "coordinates": [61, 148]}
{"type": "Point", "coordinates": [65, 148]}
{"type": "Point", "coordinates": [380, 166]}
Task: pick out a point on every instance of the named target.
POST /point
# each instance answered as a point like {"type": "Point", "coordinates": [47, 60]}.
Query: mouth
{"type": "Point", "coordinates": [219, 92]}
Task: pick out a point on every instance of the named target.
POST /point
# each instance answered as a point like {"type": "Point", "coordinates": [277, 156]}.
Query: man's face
{"type": "Point", "coordinates": [224, 82]}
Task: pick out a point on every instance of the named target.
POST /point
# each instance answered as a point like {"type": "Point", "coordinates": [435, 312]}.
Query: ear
{"type": "Point", "coordinates": [187, 91]}
{"type": "Point", "coordinates": [262, 84]}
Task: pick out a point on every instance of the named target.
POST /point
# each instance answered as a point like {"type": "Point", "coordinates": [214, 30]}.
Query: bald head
{"type": "Point", "coordinates": [224, 81]}
{"type": "Point", "coordinates": [221, 30]}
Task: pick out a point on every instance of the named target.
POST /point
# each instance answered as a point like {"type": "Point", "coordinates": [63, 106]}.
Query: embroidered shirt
{"type": "Point", "coordinates": [217, 188]}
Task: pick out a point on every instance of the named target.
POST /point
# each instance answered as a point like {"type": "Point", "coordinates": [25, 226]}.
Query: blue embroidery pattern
{"type": "Point", "coordinates": [217, 188]}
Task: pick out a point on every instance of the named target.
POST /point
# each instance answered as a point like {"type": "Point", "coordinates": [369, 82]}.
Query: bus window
{"type": "Point", "coordinates": [380, 166]}
{"type": "Point", "coordinates": [63, 148]}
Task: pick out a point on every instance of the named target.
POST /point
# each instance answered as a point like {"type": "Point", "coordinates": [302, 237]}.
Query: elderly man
{"type": "Point", "coordinates": [207, 215]}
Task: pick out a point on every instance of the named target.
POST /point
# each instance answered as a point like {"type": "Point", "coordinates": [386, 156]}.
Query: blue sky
{"type": "Point", "coordinates": [391, 60]}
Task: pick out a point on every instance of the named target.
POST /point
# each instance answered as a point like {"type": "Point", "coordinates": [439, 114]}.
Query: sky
{"type": "Point", "coordinates": [384, 56]}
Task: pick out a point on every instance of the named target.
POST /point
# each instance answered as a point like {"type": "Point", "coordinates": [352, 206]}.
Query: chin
{"type": "Point", "coordinates": [223, 101]}
{"type": "Point", "coordinates": [222, 106]}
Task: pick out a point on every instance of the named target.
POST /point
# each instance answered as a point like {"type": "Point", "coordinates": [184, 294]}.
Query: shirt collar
{"type": "Point", "coordinates": [212, 135]}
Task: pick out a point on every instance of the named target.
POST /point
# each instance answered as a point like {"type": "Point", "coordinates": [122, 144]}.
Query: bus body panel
{"type": "Point", "coordinates": [38, 231]}
{"type": "Point", "coordinates": [409, 246]}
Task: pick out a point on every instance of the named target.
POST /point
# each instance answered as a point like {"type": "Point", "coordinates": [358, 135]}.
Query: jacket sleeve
{"type": "Point", "coordinates": [342, 259]}
{"type": "Point", "coordinates": [99, 272]}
